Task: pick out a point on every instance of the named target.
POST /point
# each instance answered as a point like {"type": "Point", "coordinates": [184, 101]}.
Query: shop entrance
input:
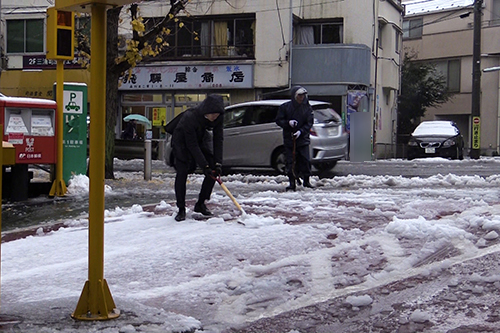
{"type": "Point", "coordinates": [158, 108]}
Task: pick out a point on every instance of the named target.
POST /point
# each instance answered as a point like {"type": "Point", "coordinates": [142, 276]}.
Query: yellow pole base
{"type": "Point", "coordinates": [58, 188]}
{"type": "Point", "coordinates": [96, 303]}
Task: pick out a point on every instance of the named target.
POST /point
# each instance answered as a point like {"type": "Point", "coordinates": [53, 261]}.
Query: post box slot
{"type": "Point", "coordinates": [16, 120]}
{"type": "Point", "coordinates": [42, 123]}
{"type": "Point", "coordinates": [33, 122]}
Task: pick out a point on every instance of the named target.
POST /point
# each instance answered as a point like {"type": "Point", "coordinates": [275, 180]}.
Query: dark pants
{"type": "Point", "coordinates": [183, 170]}
{"type": "Point", "coordinates": [302, 161]}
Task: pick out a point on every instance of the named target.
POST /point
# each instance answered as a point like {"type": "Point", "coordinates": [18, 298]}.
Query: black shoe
{"type": "Point", "coordinates": [307, 183]}
{"type": "Point", "coordinates": [202, 208]}
{"type": "Point", "coordinates": [181, 215]}
{"type": "Point", "coordinates": [291, 187]}
{"type": "Point", "coordinates": [291, 179]}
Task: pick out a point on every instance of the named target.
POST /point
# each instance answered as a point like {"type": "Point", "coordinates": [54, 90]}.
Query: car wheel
{"type": "Point", "coordinates": [279, 160]}
{"type": "Point", "coordinates": [461, 154]}
{"type": "Point", "coordinates": [327, 166]}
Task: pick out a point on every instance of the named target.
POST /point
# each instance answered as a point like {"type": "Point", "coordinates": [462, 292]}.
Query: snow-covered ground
{"type": "Point", "coordinates": [340, 241]}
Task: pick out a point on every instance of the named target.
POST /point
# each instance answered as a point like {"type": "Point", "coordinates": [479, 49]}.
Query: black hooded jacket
{"type": "Point", "coordinates": [303, 113]}
{"type": "Point", "coordinates": [190, 139]}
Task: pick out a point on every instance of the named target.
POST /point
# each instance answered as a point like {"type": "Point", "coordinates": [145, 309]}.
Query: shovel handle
{"type": "Point", "coordinates": [228, 193]}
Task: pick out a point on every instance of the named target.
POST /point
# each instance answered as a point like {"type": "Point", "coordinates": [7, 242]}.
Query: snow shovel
{"type": "Point", "coordinates": [243, 214]}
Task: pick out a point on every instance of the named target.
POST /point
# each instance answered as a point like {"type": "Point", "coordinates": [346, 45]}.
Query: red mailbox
{"type": "Point", "coordinates": [30, 125]}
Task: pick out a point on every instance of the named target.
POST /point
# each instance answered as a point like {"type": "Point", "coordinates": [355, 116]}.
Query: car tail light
{"type": "Point", "coordinates": [313, 132]}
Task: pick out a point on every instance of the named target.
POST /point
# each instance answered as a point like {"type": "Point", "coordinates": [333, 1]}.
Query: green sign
{"type": "Point", "coordinates": [74, 130]}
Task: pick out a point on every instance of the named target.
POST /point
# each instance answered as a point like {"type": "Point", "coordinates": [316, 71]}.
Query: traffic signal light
{"type": "Point", "coordinates": [60, 34]}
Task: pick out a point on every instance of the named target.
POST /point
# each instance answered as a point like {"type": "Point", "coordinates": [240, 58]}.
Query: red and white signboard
{"type": "Point", "coordinates": [16, 138]}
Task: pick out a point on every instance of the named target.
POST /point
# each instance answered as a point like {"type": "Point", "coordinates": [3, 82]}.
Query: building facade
{"type": "Point", "coordinates": [260, 49]}
{"type": "Point", "coordinates": [25, 72]}
{"type": "Point", "coordinates": [441, 33]}
{"type": "Point", "coordinates": [243, 50]}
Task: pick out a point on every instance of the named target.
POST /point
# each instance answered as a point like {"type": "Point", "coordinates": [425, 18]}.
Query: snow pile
{"type": "Point", "coordinates": [295, 249]}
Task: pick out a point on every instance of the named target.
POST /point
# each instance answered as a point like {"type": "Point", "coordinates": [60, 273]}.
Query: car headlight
{"type": "Point", "coordinates": [449, 143]}
{"type": "Point", "coordinates": [412, 143]}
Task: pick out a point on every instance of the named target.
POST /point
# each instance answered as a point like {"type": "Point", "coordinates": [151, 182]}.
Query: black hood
{"type": "Point", "coordinates": [212, 104]}
{"type": "Point", "coordinates": [293, 91]}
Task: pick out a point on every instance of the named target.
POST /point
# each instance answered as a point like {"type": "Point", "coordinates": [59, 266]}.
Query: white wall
{"type": "Point", "coordinates": [19, 9]}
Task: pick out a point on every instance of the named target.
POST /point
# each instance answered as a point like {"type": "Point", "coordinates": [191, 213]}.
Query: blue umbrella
{"type": "Point", "coordinates": [140, 119]}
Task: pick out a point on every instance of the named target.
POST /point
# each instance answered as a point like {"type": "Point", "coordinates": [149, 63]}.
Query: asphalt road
{"type": "Point", "coordinates": [41, 210]}
{"type": "Point", "coordinates": [418, 168]}
{"type": "Point", "coordinates": [483, 167]}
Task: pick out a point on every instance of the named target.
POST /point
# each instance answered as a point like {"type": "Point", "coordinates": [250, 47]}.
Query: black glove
{"type": "Point", "coordinates": [207, 171]}
{"type": "Point", "coordinates": [218, 169]}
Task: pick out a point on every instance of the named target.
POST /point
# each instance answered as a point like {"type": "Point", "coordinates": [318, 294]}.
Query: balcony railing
{"type": "Point", "coordinates": [241, 51]}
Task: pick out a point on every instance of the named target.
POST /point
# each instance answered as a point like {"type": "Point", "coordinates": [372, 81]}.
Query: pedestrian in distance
{"type": "Point", "coordinates": [296, 119]}
{"type": "Point", "coordinates": [193, 145]}
{"type": "Point", "coordinates": [130, 132]}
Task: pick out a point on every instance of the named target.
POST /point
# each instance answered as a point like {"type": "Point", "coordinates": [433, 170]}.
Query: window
{"type": "Point", "coordinates": [381, 26]}
{"type": "Point", "coordinates": [398, 41]}
{"type": "Point", "coordinates": [412, 28]}
{"type": "Point", "coordinates": [495, 12]}
{"type": "Point", "coordinates": [232, 37]}
{"type": "Point", "coordinates": [25, 36]}
{"type": "Point", "coordinates": [234, 117]}
{"type": "Point", "coordinates": [263, 114]}
{"type": "Point", "coordinates": [450, 69]}
{"type": "Point", "coordinates": [320, 33]}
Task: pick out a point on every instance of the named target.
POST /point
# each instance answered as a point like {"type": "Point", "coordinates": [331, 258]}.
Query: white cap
{"type": "Point", "coordinates": [300, 91]}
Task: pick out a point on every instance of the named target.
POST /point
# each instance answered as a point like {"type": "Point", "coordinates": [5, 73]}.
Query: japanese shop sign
{"type": "Point", "coordinates": [159, 116]}
{"type": "Point", "coordinates": [41, 62]}
{"type": "Point", "coordinates": [476, 133]}
{"type": "Point", "coordinates": [189, 77]}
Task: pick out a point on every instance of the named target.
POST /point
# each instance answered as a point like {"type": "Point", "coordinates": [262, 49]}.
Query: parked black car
{"type": "Point", "coordinates": [437, 138]}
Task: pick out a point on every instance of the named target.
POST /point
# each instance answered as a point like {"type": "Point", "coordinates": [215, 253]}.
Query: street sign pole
{"type": "Point", "coordinates": [476, 84]}
{"type": "Point", "coordinates": [96, 302]}
{"type": "Point", "coordinates": [60, 47]}
{"type": "Point", "coordinates": [59, 186]}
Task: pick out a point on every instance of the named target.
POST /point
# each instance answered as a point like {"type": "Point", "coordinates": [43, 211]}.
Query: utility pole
{"type": "Point", "coordinates": [476, 84]}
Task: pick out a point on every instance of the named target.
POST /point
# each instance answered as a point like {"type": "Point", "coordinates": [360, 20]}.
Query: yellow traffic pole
{"type": "Point", "coordinates": [59, 186]}
{"type": "Point", "coordinates": [1, 178]}
{"type": "Point", "coordinates": [96, 302]}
